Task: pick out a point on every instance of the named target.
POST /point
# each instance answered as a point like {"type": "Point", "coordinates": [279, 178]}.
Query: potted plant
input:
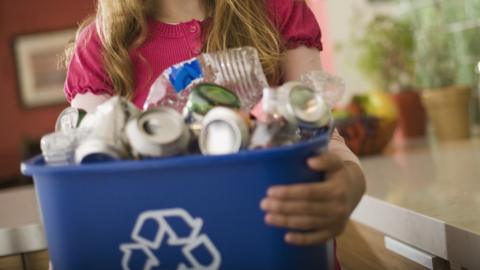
{"type": "Point", "coordinates": [387, 57]}
{"type": "Point", "coordinates": [447, 103]}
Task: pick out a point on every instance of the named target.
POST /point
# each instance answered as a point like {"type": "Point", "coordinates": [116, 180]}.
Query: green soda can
{"type": "Point", "coordinates": [206, 96]}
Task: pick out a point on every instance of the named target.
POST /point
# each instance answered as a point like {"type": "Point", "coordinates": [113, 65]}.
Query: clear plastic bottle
{"type": "Point", "coordinates": [332, 88]}
{"type": "Point", "coordinates": [59, 148]}
{"type": "Point", "coordinates": [236, 69]}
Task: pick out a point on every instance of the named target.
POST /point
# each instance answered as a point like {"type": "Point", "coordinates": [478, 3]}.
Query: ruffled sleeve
{"type": "Point", "coordinates": [295, 22]}
{"type": "Point", "coordinates": [86, 72]}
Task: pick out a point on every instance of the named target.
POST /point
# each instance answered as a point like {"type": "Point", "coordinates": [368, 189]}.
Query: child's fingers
{"type": "Point", "coordinates": [295, 207]}
{"type": "Point", "coordinates": [295, 222]}
{"type": "Point", "coordinates": [309, 238]}
{"type": "Point", "coordinates": [325, 162]}
{"type": "Point", "coordinates": [307, 192]}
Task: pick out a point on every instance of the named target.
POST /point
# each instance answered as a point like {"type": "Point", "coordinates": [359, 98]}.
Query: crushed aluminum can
{"type": "Point", "coordinates": [305, 107]}
{"type": "Point", "coordinates": [106, 140]}
{"type": "Point", "coordinates": [69, 119]}
{"type": "Point", "coordinates": [194, 124]}
{"type": "Point", "coordinates": [273, 131]}
{"type": "Point", "coordinates": [206, 96]}
{"type": "Point", "coordinates": [159, 132]}
{"type": "Point", "coordinates": [203, 98]}
{"type": "Point", "coordinates": [272, 127]}
{"type": "Point", "coordinates": [224, 131]}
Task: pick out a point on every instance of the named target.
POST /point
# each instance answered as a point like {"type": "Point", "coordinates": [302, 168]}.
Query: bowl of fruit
{"type": "Point", "coordinates": [368, 123]}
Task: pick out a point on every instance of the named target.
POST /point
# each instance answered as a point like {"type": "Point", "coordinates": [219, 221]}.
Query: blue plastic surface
{"type": "Point", "coordinates": [182, 75]}
{"type": "Point", "coordinates": [92, 212]}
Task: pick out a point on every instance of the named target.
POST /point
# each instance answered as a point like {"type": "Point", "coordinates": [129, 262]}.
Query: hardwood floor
{"type": "Point", "coordinates": [31, 261]}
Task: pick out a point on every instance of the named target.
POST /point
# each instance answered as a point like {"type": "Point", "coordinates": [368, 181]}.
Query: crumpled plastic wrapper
{"type": "Point", "coordinates": [331, 87]}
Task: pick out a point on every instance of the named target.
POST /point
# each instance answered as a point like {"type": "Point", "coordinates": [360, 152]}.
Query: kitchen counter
{"type": "Point", "coordinates": [428, 198]}
{"type": "Point", "coordinates": [20, 226]}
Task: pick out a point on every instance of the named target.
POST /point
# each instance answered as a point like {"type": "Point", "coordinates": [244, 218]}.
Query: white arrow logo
{"type": "Point", "coordinates": [129, 249]}
{"type": "Point", "coordinates": [190, 242]}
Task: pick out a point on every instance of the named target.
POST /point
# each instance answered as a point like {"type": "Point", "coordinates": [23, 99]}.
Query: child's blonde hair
{"type": "Point", "coordinates": [122, 25]}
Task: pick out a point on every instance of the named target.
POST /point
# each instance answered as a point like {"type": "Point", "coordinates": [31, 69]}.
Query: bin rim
{"type": "Point", "coordinates": [37, 165]}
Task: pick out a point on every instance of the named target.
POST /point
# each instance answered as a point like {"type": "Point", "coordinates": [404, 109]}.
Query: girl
{"type": "Point", "coordinates": [131, 42]}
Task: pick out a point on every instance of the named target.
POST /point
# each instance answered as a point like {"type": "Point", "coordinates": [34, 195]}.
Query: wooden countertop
{"type": "Point", "coordinates": [428, 197]}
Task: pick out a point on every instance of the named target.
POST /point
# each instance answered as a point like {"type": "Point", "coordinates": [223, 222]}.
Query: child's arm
{"type": "Point", "coordinates": [299, 61]}
{"type": "Point", "coordinates": [322, 208]}
{"type": "Point", "coordinates": [87, 83]}
{"type": "Point", "coordinates": [89, 101]}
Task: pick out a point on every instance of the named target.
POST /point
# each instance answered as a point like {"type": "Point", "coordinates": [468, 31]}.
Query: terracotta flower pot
{"type": "Point", "coordinates": [412, 117]}
{"type": "Point", "coordinates": [449, 112]}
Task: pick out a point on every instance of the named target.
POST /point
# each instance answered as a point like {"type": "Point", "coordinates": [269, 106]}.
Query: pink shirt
{"type": "Point", "coordinates": [168, 44]}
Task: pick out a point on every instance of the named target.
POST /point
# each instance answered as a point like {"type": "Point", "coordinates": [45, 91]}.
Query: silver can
{"type": "Point", "coordinates": [273, 128]}
{"type": "Point", "coordinates": [306, 108]}
{"type": "Point", "coordinates": [106, 140]}
{"type": "Point", "coordinates": [273, 131]}
{"type": "Point", "coordinates": [194, 122]}
{"type": "Point", "coordinates": [159, 132]}
{"type": "Point", "coordinates": [69, 119]}
{"type": "Point", "coordinates": [224, 131]}
{"type": "Point", "coordinates": [304, 105]}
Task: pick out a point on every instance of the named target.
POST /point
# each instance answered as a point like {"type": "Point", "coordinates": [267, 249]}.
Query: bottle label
{"type": "Point", "coordinates": [181, 76]}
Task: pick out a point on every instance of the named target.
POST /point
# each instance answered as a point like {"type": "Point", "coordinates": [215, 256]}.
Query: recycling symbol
{"type": "Point", "coordinates": [150, 245]}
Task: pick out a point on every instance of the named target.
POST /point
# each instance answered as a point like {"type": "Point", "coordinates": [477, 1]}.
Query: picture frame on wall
{"type": "Point", "coordinates": [39, 74]}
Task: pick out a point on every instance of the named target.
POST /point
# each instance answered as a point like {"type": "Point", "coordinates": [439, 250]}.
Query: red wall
{"type": "Point", "coordinates": [17, 123]}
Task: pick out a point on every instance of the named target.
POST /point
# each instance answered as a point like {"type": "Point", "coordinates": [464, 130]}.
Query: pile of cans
{"type": "Point", "coordinates": [201, 106]}
{"type": "Point", "coordinates": [212, 123]}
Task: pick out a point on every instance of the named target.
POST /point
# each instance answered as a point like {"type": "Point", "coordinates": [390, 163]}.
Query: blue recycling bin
{"type": "Point", "coordinates": [193, 212]}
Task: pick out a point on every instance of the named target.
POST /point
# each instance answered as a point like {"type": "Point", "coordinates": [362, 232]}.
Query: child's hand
{"type": "Point", "coordinates": [321, 209]}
